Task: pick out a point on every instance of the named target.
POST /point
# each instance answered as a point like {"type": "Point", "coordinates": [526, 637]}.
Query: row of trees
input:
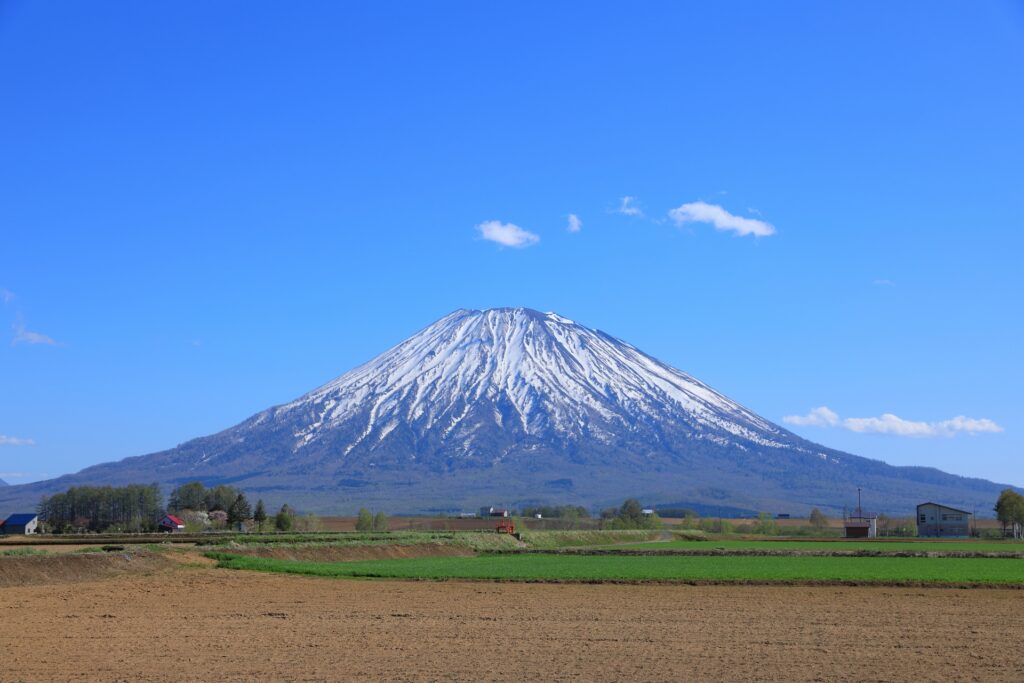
{"type": "Point", "coordinates": [367, 521]}
{"type": "Point", "coordinates": [220, 506]}
{"type": "Point", "coordinates": [132, 508]}
{"type": "Point", "coordinates": [224, 505]}
{"type": "Point", "coordinates": [138, 508]}
{"type": "Point", "coordinates": [196, 497]}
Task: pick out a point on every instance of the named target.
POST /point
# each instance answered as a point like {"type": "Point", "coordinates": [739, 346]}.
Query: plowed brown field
{"type": "Point", "coordinates": [197, 623]}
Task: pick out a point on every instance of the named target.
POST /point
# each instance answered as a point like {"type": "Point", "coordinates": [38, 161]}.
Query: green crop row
{"type": "Point", "coordinates": [839, 544]}
{"type": "Point", "coordinates": [882, 570]}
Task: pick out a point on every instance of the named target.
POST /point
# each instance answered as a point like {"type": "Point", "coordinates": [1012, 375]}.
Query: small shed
{"type": "Point", "coordinates": [170, 524]}
{"type": "Point", "coordinates": [21, 523]}
{"type": "Point", "coordinates": [861, 525]}
{"type": "Point", "coordinates": [937, 520]}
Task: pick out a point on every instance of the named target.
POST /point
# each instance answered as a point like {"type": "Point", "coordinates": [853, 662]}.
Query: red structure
{"type": "Point", "coordinates": [170, 524]}
{"type": "Point", "coordinates": [505, 526]}
{"type": "Point", "coordinates": [860, 524]}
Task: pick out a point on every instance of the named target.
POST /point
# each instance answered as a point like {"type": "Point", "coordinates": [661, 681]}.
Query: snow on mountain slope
{"type": "Point", "coordinates": [551, 376]}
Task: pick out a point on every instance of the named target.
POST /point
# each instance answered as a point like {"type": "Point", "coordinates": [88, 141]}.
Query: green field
{"type": "Point", "coordinates": [881, 546]}
{"type": "Point", "coordinates": [884, 570]}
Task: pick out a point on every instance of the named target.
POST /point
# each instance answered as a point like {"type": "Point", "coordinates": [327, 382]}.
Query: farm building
{"type": "Point", "coordinates": [934, 519]}
{"type": "Point", "coordinates": [861, 525]}
{"type": "Point", "coordinates": [170, 524]}
{"type": "Point", "coordinates": [493, 512]}
{"type": "Point", "coordinates": [22, 523]}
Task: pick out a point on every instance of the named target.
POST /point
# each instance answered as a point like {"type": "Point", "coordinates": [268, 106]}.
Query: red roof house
{"type": "Point", "coordinates": [170, 523]}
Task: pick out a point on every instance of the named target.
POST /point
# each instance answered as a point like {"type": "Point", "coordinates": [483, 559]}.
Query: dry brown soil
{"type": "Point", "coordinates": [195, 623]}
{"type": "Point", "coordinates": [355, 552]}
{"type": "Point", "coordinates": [64, 568]}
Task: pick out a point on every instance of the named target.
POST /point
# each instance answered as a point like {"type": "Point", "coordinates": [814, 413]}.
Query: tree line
{"type": "Point", "coordinates": [132, 508]}
{"type": "Point", "coordinates": [222, 505]}
{"type": "Point", "coordinates": [138, 508]}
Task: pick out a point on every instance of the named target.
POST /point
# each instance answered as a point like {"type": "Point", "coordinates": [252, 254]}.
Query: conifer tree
{"type": "Point", "coordinates": [260, 514]}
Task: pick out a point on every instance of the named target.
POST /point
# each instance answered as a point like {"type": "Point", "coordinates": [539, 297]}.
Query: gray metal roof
{"type": "Point", "coordinates": [966, 512]}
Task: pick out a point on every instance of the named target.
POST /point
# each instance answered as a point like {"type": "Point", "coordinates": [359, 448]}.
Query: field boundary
{"type": "Point", "coordinates": [758, 552]}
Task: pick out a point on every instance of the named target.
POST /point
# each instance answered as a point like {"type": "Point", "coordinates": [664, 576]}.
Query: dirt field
{"type": "Point", "coordinates": [352, 553]}
{"type": "Point", "coordinates": [197, 623]}
{"type": "Point", "coordinates": [71, 568]}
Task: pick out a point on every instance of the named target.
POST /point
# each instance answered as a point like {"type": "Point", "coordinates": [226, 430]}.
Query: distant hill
{"type": "Point", "coordinates": [515, 407]}
{"type": "Point", "coordinates": [3, 483]}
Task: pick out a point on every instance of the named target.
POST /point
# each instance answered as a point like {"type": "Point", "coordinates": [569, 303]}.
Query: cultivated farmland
{"type": "Point", "coordinates": [566, 605]}
{"type": "Point", "coordinates": [659, 568]}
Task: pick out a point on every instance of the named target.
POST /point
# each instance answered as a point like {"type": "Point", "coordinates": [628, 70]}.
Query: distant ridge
{"type": "Point", "coordinates": [511, 406]}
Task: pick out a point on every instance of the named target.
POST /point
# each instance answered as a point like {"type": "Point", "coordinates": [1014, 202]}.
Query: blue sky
{"type": "Point", "coordinates": [207, 210]}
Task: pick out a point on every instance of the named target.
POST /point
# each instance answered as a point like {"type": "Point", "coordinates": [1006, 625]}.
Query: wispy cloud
{"type": "Point", "coordinates": [888, 423]}
{"type": "Point", "coordinates": [23, 335]}
{"type": "Point", "coordinates": [15, 441]}
{"type": "Point", "coordinates": [6, 295]}
{"type": "Point", "coordinates": [507, 234]}
{"type": "Point", "coordinates": [818, 417]}
{"type": "Point", "coordinates": [627, 207]}
{"type": "Point", "coordinates": [575, 224]}
{"type": "Point", "coordinates": [702, 212]}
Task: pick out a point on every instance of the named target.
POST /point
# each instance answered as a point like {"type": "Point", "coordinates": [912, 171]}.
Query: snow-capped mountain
{"type": "Point", "coordinates": [535, 375]}
{"type": "Point", "coordinates": [511, 406]}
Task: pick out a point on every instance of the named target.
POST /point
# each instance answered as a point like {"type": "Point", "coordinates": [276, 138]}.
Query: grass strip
{"type": "Point", "coordinates": [610, 568]}
{"type": "Point", "coordinates": [839, 544]}
{"type": "Point", "coordinates": [21, 552]}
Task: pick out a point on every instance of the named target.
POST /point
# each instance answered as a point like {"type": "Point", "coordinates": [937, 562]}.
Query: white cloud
{"type": "Point", "coordinates": [702, 212]}
{"type": "Point", "coordinates": [14, 441]}
{"type": "Point", "coordinates": [23, 335]}
{"type": "Point", "coordinates": [6, 295]}
{"type": "Point", "coordinates": [575, 224]}
{"type": "Point", "coordinates": [627, 208]}
{"type": "Point", "coordinates": [507, 234]}
{"type": "Point", "coordinates": [888, 423]}
{"type": "Point", "coordinates": [818, 417]}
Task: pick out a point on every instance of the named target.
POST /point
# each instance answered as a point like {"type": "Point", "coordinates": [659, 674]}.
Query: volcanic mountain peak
{"type": "Point", "coordinates": [541, 372]}
{"type": "Point", "coordinates": [515, 406]}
